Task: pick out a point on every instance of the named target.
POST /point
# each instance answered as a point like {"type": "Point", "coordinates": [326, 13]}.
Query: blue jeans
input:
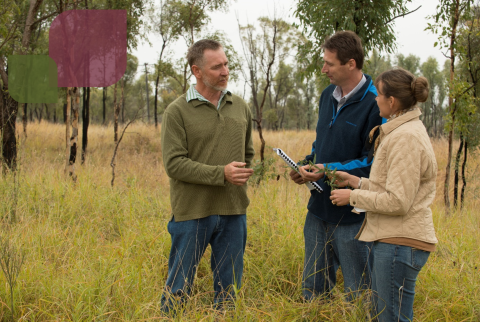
{"type": "Point", "coordinates": [328, 246]}
{"type": "Point", "coordinates": [227, 236]}
{"type": "Point", "coordinates": [395, 271]}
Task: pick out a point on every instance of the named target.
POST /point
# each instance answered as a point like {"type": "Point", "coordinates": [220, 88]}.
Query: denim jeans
{"type": "Point", "coordinates": [328, 246]}
{"type": "Point", "coordinates": [227, 236]}
{"type": "Point", "coordinates": [395, 271]}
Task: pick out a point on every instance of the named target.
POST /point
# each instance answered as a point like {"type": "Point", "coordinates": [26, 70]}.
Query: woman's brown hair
{"type": "Point", "coordinates": [404, 86]}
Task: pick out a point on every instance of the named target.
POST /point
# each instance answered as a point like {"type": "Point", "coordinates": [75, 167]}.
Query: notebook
{"type": "Point", "coordinates": [291, 163]}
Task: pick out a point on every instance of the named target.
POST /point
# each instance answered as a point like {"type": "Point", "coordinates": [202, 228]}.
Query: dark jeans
{"type": "Point", "coordinates": [227, 236]}
{"type": "Point", "coordinates": [329, 246]}
{"type": "Point", "coordinates": [395, 271]}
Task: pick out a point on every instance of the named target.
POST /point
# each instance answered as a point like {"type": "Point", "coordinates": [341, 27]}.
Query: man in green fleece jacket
{"type": "Point", "coordinates": [207, 152]}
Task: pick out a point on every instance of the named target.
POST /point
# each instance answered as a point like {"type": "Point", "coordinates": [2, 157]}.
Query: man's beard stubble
{"type": "Point", "coordinates": [207, 82]}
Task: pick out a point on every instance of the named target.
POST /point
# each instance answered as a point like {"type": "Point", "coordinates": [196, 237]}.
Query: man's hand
{"type": "Point", "coordinates": [340, 197]}
{"type": "Point", "coordinates": [296, 177]}
{"type": "Point", "coordinates": [236, 174]}
{"type": "Point", "coordinates": [308, 172]}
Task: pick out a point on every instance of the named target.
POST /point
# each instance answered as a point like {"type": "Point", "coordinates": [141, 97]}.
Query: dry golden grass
{"type": "Point", "coordinates": [93, 252]}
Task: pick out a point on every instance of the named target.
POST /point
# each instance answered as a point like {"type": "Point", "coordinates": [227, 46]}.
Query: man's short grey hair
{"type": "Point", "coordinates": [195, 52]}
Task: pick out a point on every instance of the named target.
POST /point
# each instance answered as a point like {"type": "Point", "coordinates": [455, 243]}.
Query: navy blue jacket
{"type": "Point", "coordinates": [340, 144]}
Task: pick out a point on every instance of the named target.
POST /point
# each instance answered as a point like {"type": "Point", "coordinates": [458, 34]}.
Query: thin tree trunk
{"type": "Point", "coordinates": [146, 90]}
{"type": "Point", "coordinates": [123, 99]}
{"type": "Point", "coordinates": [156, 98]}
{"type": "Point", "coordinates": [74, 137]}
{"type": "Point", "coordinates": [24, 119]}
{"type": "Point", "coordinates": [464, 180]}
{"type": "Point", "coordinates": [47, 112]}
{"type": "Point", "coordinates": [123, 110]}
{"type": "Point", "coordinates": [8, 116]}
{"type": "Point", "coordinates": [67, 128]}
{"type": "Point", "coordinates": [451, 109]}
{"type": "Point", "coordinates": [115, 114]}
{"type": "Point", "coordinates": [85, 121]}
{"type": "Point", "coordinates": [104, 106]}
{"type": "Point", "coordinates": [40, 112]}
{"type": "Point", "coordinates": [36, 111]}
{"type": "Point", "coordinates": [447, 170]}
{"type": "Point", "coordinates": [457, 166]}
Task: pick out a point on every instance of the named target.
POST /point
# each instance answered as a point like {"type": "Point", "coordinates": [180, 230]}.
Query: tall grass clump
{"type": "Point", "coordinates": [93, 252]}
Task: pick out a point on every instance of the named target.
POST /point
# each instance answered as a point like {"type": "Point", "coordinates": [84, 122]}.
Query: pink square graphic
{"type": "Point", "coordinates": [89, 47]}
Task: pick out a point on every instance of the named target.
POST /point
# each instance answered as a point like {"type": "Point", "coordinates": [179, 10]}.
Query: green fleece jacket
{"type": "Point", "coordinates": [197, 142]}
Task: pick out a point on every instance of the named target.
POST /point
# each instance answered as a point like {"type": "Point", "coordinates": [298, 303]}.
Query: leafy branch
{"type": "Point", "coordinates": [330, 176]}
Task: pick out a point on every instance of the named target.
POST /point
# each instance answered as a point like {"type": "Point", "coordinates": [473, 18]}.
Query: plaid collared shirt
{"type": "Point", "coordinates": [193, 94]}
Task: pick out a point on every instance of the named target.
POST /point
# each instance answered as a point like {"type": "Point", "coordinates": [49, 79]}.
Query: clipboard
{"type": "Point", "coordinates": [291, 163]}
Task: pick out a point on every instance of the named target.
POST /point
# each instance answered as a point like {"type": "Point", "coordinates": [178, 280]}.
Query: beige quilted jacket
{"type": "Point", "coordinates": [401, 187]}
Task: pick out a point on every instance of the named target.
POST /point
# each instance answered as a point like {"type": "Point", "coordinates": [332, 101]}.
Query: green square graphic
{"type": "Point", "coordinates": [32, 79]}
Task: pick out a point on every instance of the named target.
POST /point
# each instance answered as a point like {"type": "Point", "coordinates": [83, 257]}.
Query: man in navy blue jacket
{"type": "Point", "coordinates": [347, 112]}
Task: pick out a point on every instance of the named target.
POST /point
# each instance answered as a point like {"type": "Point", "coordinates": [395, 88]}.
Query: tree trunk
{"type": "Point", "coordinates": [85, 121]}
{"type": "Point", "coordinates": [447, 170]}
{"type": "Point", "coordinates": [451, 108]}
{"type": "Point", "coordinates": [47, 112]}
{"type": "Point", "coordinates": [74, 137]}
{"type": "Point", "coordinates": [262, 146]}
{"type": "Point", "coordinates": [8, 116]}
{"type": "Point", "coordinates": [146, 90]}
{"type": "Point", "coordinates": [8, 106]}
{"type": "Point", "coordinates": [115, 115]}
{"type": "Point", "coordinates": [67, 128]}
{"type": "Point", "coordinates": [457, 166]}
{"type": "Point", "coordinates": [156, 98]}
{"type": "Point", "coordinates": [24, 119]}
{"type": "Point", "coordinates": [123, 100]}
{"type": "Point", "coordinates": [464, 180]}
{"type": "Point", "coordinates": [104, 106]}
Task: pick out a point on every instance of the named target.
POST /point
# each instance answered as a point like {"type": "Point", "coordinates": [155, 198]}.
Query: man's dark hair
{"type": "Point", "coordinates": [347, 45]}
{"type": "Point", "coordinates": [195, 52]}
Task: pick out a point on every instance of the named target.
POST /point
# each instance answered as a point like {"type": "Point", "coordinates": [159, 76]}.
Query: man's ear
{"type": "Point", "coordinates": [352, 64]}
{"type": "Point", "coordinates": [196, 71]}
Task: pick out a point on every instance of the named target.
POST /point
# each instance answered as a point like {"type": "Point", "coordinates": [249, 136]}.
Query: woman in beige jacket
{"type": "Point", "coordinates": [397, 196]}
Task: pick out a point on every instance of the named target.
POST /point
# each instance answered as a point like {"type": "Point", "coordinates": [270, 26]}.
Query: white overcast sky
{"type": "Point", "coordinates": [410, 30]}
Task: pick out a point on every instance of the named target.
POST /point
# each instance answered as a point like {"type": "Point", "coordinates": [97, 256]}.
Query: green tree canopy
{"type": "Point", "coordinates": [370, 20]}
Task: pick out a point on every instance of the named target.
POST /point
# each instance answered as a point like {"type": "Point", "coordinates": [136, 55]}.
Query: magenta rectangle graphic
{"type": "Point", "coordinates": [89, 47]}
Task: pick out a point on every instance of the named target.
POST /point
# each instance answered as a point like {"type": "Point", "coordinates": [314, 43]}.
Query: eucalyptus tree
{"type": "Point", "coordinates": [191, 17]}
{"type": "Point", "coordinates": [372, 21]}
{"type": "Point", "coordinates": [410, 63]}
{"type": "Point", "coordinates": [19, 23]}
{"type": "Point", "coordinates": [264, 48]}
{"type": "Point", "coordinates": [166, 22]}
{"type": "Point", "coordinates": [302, 102]}
{"type": "Point", "coordinates": [376, 64]}
{"type": "Point", "coordinates": [433, 111]}
{"type": "Point", "coordinates": [468, 115]}
{"type": "Point", "coordinates": [446, 21]}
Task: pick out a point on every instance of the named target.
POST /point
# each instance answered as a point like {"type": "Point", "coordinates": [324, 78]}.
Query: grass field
{"type": "Point", "coordinates": [96, 253]}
